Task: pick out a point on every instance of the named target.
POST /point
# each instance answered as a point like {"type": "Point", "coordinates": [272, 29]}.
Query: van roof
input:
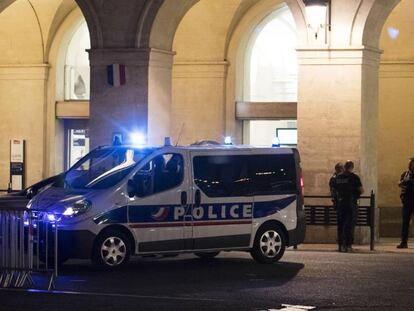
{"type": "Point", "coordinates": [209, 148]}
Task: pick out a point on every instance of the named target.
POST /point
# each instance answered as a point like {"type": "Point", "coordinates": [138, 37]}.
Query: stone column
{"type": "Point", "coordinates": [23, 108]}
{"type": "Point", "coordinates": [118, 109]}
{"type": "Point", "coordinates": [337, 118]}
{"type": "Point", "coordinates": [159, 95]}
{"type": "Point", "coordinates": [199, 110]}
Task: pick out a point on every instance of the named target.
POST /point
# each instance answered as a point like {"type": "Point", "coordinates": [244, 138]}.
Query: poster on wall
{"type": "Point", "coordinates": [17, 170]}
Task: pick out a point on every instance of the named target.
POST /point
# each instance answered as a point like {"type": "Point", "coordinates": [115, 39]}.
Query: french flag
{"type": "Point", "coordinates": [116, 74]}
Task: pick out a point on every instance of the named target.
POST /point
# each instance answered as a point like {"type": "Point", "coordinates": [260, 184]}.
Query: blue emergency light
{"type": "Point", "coordinates": [276, 142]}
{"type": "Point", "coordinates": [137, 138]}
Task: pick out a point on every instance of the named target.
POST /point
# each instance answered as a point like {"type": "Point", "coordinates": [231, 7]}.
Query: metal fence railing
{"type": "Point", "coordinates": [321, 212]}
{"type": "Point", "coordinates": [28, 245]}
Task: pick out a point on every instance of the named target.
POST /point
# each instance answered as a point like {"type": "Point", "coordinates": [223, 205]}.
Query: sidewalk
{"type": "Point", "coordinates": [385, 245]}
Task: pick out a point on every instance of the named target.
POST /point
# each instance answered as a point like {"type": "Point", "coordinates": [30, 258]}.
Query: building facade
{"type": "Point", "coordinates": [207, 69]}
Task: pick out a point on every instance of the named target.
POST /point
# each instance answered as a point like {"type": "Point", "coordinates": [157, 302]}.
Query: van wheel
{"type": "Point", "coordinates": [269, 244]}
{"type": "Point", "coordinates": [112, 250]}
{"type": "Point", "coordinates": [207, 255]}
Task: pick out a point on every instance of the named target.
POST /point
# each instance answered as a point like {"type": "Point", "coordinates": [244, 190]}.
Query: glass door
{"type": "Point", "coordinates": [78, 145]}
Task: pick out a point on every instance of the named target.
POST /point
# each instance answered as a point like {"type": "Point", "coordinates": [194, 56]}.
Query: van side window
{"type": "Point", "coordinates": [232, 176]}
{"type": "Point", "coordinates": [273, 174]}
{"type": "Point", "coordinates": [162, 173]}
{"type": "Point", "coordinates": [222, 176]}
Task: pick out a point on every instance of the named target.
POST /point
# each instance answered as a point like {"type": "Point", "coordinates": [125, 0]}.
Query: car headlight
{"type": "Point", "coordinates": [77, 208]}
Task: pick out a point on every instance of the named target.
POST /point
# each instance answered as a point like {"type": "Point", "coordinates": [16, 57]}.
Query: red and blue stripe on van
{"type": "Point", "coordinates": [206, 215]}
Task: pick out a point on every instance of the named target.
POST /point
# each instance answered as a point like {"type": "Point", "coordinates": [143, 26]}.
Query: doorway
{"type": "Point", "coordinates": [76, 141]}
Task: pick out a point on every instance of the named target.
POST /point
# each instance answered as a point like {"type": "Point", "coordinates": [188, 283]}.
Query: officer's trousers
{"type": "Point", "coordinates": [347, 219]}
{"type": "Point", "coordinates": [407, 213]}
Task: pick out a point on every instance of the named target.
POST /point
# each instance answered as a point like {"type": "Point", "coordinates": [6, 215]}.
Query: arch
{"type": "Point", "coordinates": [237, 44]}
{"type": "Point", "coordinates": [94, 24]}
{"type": "Point", "coordinates": [295, 7]}
{"type": "Point", "coordinates": [64, 9]}
{"type": "Point", "coordinates": [369, 21]}
{"type": "Point", "coordinates": [214, 63]}
{"type": "Point", "coordinates": [279, 52]}
{"type": "Point", "coordinates": [168, 16]}
{"type": "Point", "coordinates": [166, 22]}
{"type": "Point", "coordinates": [5, 3]}
{"type": "Point", "coordinates": [236, 50]}
{"type": "Point", "coordinates": [56, 89]}
{"type": "Point", "coordinates": [145, 21]}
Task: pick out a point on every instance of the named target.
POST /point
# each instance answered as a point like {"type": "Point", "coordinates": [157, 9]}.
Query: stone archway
{"type": "Point", "coordinates": [165, 23]}
{"type": "Point", "coordinates": [27, 82]}
{"type": "Point", "coordinates": [338, 88]}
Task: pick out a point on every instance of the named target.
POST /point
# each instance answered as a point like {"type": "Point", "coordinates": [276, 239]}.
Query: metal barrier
{"type": "Point", "coordinates": [322, 213]}
{"type": "Point", "coordinates": [28, 245]}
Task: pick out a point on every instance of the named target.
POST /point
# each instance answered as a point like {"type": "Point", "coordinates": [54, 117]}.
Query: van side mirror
{"type": "Point", "coordinates": [30, 193]}
{"type": "Point", "coordinates": [132, 188]}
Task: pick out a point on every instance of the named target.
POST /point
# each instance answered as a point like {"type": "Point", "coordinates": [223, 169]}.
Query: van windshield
{"type": "Point", "coordinates": [103, 168]}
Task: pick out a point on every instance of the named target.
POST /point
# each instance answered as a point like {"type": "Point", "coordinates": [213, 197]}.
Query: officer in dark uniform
{"type": "Point", "coordinates": [348, 188]}
{"type": "Point", "coordinates": [339, 169]}
{"type": "Point", "coordinates": [407, 197]}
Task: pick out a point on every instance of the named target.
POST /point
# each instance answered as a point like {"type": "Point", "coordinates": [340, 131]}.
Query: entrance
{"type": "Point", "coordinates": [78, 145]}
{"type": "Point", "coordinates": [76, 141]}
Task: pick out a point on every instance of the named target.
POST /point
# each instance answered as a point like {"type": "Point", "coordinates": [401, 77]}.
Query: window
{"type": "Point", "coordinates": [264, 132]}
{"type": "Point", "coordinates": [222, 176]}
{"type": "Point", "coordinates": [162, 173]}
{"type": "Point", "coordinates": [271, 60]}
{"type": "Point", "coordinates": [103, 168]}
{"type": "Point", "coordinates": [77, 72]}
{"type": "Point", "coordinates": [232, 176]}
{"type": "Point", "coordinates": [273, 174]}
{"type": "Point", "coordinates": [287, 136]}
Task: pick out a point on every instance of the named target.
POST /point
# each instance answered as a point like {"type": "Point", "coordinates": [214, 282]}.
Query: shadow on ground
{"type": "Point", "coordinates": [187, 275]}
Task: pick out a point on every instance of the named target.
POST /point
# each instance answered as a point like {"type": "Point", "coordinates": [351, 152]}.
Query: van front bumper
{"type": "Point", "coordinates": [76, 244]}
{"type": "Point", "coordinates": [297, 236]}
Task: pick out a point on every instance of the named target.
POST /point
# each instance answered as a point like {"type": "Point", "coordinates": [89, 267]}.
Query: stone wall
{"type": "Point", "coordinates": [396, 113]}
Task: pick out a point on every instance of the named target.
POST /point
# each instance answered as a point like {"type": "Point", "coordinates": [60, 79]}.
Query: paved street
{"type": "Point", "coordinates": [320, 278]}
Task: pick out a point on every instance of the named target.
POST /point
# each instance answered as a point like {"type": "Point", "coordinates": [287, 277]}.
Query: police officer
{"type": "Point", "coordinates": [348, 188]}
{"type": "Point", "coordinates": [407, 197]}
{"type": "Point", "coordinates": [339, 169]}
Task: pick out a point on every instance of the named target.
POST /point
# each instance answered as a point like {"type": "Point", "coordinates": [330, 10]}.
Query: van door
{"type": "Point", "coordinates": [221, 206]}
{"type": "Point", "coordinates": [275, 188]}
{"type": "Point", "coordinates": [157, 212]}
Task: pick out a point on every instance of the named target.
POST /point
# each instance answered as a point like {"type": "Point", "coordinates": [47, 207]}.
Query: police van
{"type": "Point", "coordinates": [120, 201]}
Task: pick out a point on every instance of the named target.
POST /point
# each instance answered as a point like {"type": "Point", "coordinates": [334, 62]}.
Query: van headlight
{"type": "Point", "coordinates": [77, 208]}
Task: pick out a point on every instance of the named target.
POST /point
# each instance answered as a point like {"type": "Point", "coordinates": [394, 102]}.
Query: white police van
{"type": "Point", "coordinates": [123, 200]}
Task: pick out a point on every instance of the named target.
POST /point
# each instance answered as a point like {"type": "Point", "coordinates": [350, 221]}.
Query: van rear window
{"type": "Point", "coordinates": [245, 175]}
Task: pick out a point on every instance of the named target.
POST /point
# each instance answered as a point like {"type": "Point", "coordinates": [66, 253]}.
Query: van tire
{"type": "Point", "coordinates": [269, 244]}
{"type": "Point", "coordinates": [112, 250]}
{"type": "Point", "coordinates": [207, 255]}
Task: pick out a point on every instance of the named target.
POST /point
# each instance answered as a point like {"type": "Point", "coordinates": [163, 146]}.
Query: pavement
{"type": "Point", "coordinates": [314, 277]}
{"type": "Point", "coordinates": [385, 245]}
